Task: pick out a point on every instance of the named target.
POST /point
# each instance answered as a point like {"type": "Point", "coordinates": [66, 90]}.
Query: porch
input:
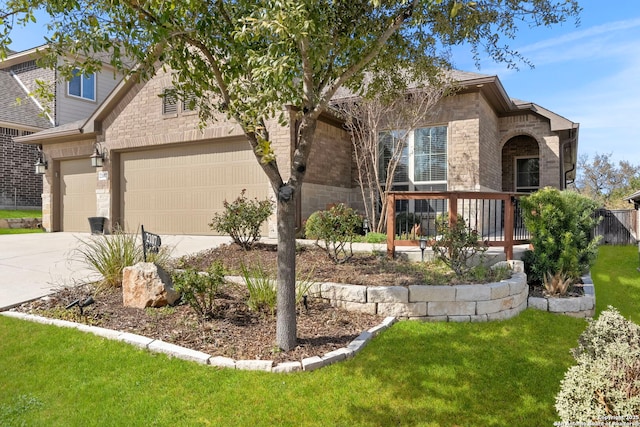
{"type": "Point", "coordinates": [496, 217]}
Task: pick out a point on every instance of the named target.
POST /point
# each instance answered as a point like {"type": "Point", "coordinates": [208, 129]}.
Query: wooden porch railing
{"type": "Point", "coordinates": [495, 216]}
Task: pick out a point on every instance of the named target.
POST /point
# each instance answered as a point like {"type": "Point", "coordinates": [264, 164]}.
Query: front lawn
{"type": "Point", "coordinates": [427, 374]}
{"type": "Point", "coordinates": [16, 213]}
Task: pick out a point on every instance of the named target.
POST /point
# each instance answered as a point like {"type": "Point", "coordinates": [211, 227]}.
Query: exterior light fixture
{"type": "Point", "coordinates": [97, 158]}
{"type": "Point", "coordinates": [365, 226]}
{"type": "Point", "coordinates": [423, 245]}
{"type": "Point", "coordinates": [41, 162]}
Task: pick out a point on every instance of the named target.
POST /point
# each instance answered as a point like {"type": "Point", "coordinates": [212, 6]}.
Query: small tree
{"type": "Point", "coordinates": [242, 219]}
{"type": "Point", "coordinates": [561, 225]}
{"type": "Point", "coordinates": [399, 114]}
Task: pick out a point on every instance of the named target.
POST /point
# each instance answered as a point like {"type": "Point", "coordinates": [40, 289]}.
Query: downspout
{"type": "Point", "coordinates": [571, 140]}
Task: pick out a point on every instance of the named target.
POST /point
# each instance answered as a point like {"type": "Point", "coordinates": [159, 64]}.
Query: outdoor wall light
{"type": "Point", "coordinates": [423, 245]}
{"type": "Point", "coordinates": [41, 162]}
{"type": "Point", "coordinates": [97, 158]}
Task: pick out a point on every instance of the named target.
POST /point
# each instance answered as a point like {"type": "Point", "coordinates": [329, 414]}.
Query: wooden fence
{"type": "Point", "coordinates": [494, 216]}
{"type": "Point", "coordinates": [617, 227]}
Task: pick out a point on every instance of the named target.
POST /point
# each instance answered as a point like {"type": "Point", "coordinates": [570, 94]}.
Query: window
{"type": "Point", "coordinates": [527, 174]}
{"type": "Point", "coordinates": [422, 161]}
{"type": "Point", "coordinates": [82, 86]}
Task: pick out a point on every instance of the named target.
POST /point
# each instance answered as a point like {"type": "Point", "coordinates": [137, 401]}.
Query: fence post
{"type": "Point", "coordinates": [391, 225]}
{"type": "Point", "coordinates": [509, 213]}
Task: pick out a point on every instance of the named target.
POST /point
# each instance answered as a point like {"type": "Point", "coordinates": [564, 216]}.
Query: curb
{"type": "Point", "coordinates": [172, 350]}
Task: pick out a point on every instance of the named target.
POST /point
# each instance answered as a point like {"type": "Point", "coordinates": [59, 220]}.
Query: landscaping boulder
{"type": "Point", "coordinates": [147, 285]}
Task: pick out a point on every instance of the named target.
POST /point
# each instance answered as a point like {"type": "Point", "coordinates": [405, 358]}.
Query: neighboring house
{"type": "Point", "coordinates": [22, 114]}
{"type": "Point", "coordinates": [162, 171]}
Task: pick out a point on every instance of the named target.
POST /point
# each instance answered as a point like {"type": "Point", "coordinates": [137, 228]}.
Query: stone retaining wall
{"type": "Point", "coordinates": [583, 306]}
{"type": "Point", "coordinates": [21, 223]}
{"type": "Point", "coordinates": [458, 303]}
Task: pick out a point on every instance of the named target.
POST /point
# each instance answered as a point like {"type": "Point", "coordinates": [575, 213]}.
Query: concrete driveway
{"type": "Point", "coordinates": [34, 265]}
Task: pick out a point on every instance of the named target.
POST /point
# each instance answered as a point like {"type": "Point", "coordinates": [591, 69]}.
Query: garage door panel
{"type": "Point", "coordinates": [78, 193]}
{"type": "Point", "coordinates": [177, 190]}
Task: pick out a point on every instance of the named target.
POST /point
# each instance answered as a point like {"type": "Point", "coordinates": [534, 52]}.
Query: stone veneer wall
{"type": "Point", "coordinates": [459, 303]}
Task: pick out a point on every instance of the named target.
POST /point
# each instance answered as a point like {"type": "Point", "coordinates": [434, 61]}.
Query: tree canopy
{"type": "Point", "coordinates": [605, 182]}
{"type": "Point", "coordinates": [249, 58]}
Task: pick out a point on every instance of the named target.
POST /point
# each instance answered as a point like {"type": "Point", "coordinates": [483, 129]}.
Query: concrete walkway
{"type": "Point", "coordinates": [34, 265]}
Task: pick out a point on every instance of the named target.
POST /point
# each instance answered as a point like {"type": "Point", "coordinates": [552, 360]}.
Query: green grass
{"type": "Point", "coordinates": [424, 374]}
{"type": "Point", "coordinates": [20, 230]}
{"type": "Point", "coordinates": [617, 280]}
{"type": "Point", "coordinates": [10, 213]}
{"type": "Point", "coordinates": [436, 374]}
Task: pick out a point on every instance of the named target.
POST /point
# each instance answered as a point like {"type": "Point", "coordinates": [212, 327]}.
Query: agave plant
{"type": "Point", "coordinates": [557, 284]}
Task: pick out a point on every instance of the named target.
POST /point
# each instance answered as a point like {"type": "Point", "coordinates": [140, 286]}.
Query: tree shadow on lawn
{"type": "Point", "coordinates": [490, 374]}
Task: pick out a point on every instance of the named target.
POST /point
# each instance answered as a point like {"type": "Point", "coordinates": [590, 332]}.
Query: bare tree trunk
{"type": "Point", "coordinates": [286, 302]}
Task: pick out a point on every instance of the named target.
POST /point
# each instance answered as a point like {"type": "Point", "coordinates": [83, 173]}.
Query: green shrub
{"type": "Point", "coordinates": [605, 384]}
{"type": "Point", "coordinates": [336, 228]}
{"type": "Point", "coordinates": [372, 237]}
{"type": "Point", "coordinates": [456, 245]}
{"type": "Point", "coordinates": [262, 289]}
{"type": "Point", "coordinates": [560, 224]}
{"type": "Point", "coordinates": [242, 219]}
{"type": "Point", "coordinates": [199, 290]}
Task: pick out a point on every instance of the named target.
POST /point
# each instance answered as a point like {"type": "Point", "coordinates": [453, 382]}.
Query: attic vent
{"type": "Point", "coordinates": [169, 102]}
{"type": "Point", "coordinates": [9, 132]}
{"type": "Point", "coordinates": [23, 67]}
{"type": "Point", "coordinates": [188, 102]}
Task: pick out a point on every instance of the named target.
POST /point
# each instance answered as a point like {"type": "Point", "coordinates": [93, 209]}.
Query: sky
{"type": "Point", "coordinates": [587, 73]}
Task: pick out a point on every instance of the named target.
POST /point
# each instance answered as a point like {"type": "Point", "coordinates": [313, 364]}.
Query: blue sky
{"type": "Point", "coordinates": [588, 74]}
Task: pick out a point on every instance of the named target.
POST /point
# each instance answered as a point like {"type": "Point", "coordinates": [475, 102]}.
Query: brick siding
{"type": "Point", "coordinates": [19, 185]}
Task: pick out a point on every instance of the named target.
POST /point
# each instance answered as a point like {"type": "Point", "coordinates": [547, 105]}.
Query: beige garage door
{"type": "Point", "coordinates": [176, 190]}
{"type": "Point", "coordinates": [78, 194]}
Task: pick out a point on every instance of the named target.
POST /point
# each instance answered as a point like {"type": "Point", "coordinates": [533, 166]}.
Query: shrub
{"type": "Point", "coordinates": [199, 290]}
{"type": "Point", "coordinates": [373, 237]}
{"type": "Point", "coordinates": [336, 228]}
{"type": "Point", "coordinates": [456, 245]}
{"type": "Point", "coordinates": [242, 219]}
{"type": "Point", "coordinates": [605, 384]}
{"type": "Point", "coordinates": [560, 224]}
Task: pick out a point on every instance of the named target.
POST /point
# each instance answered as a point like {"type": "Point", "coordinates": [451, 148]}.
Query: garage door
{"type": "Point", "coordinates": [78, 193]}
{"type": "Point", "coordinates": [176, 190]}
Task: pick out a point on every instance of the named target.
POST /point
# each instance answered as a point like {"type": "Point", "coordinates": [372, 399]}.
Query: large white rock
{"type": "Point", "coordinates": [147, 285]}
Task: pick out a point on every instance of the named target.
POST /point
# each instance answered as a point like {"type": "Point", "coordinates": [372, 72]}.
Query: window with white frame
{"type": "Point", "coordinates": [82, 85]}
{"type": "Point", "coordinates": [422, 161]}
{"type": "Point", "coordinates": [422, 164]}
{"type": "Point", "coordinates": [527, 172]}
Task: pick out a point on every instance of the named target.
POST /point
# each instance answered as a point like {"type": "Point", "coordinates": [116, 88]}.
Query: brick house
{"type": "Point", "coordinates": [162, 171]}
{"type": "Point", "coordinates": [22, 114]}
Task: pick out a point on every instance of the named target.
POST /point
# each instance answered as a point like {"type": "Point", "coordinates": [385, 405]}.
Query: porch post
{"type": "Point", "coordinates": [391, 225]}
{"type": "Point", "coordinates": [509, 202]}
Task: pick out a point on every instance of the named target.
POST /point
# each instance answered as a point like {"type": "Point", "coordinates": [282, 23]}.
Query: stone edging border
{"type": "Point", "coordinates": [172, 350]}
{"type": "Point", "coordinates": [583, 306]}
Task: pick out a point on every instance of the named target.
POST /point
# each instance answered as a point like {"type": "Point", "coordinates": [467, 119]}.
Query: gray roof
{"type": "Point", "coordinates": [25, 112]}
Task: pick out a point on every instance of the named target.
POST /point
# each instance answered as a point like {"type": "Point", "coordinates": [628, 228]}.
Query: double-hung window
{"type": "Point", "coordinates": [421, 155]}
{"type": "Point", "coordinates": [527, 174]}
{"type": "Point", "coordinates": [82, 85]}
{"type": "Point", "coordinates": [422, 163]}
